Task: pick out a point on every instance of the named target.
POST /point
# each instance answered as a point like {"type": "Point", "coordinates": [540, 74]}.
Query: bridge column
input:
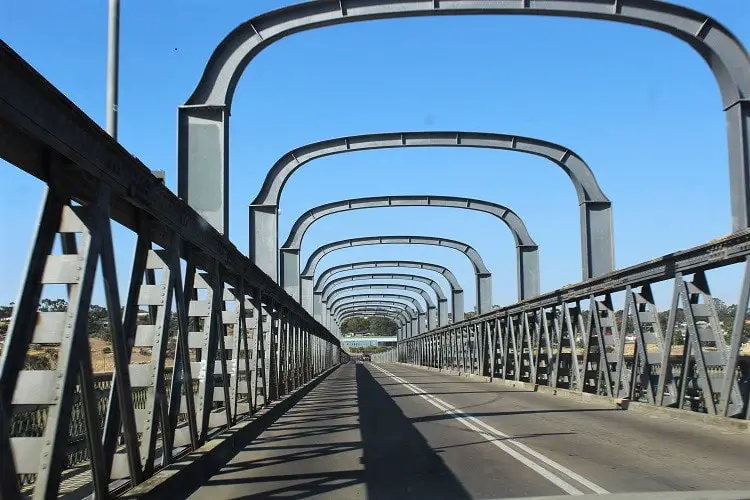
{"type": "Point", "coordinates": [264, 233]}
{"type": "Point", "coordinates": [527, 263]}
{"type": "Point", "coordinates": [484, 292]}
{"type": "Point", "coordinates": [431, 318]}
{"type": "Point", "coordinates": [203, 162]}
{"type": "Point", "coordinates": [317, 309]}
{"type": "Point", "coordinates": [289, 269]}
{"type": "Point", "coordinates": [597, 242]}
{"type": "Point", "coordinates": [442, 312]}
{"type": "Point", "coordinates": [306, 292]}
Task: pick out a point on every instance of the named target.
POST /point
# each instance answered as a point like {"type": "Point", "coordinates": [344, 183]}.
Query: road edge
{"type": "Point", "coordinates": [724, 423]}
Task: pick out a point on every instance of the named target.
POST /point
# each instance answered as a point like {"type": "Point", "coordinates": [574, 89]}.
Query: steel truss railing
{"type": "Point", "coordinates": [241, 342]}
{"type": "Point", "coordinates": [571, 338]}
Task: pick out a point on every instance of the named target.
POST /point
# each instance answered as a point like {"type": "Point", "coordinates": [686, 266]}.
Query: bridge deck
{"type": "Point", "coordinates": [365, 433]}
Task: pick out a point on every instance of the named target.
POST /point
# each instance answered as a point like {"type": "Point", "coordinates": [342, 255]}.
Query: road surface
{"type": "Point", "coordinates": [391, 432]}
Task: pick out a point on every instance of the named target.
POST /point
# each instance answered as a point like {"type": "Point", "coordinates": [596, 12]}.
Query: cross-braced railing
{"type": "Point", "coordinates": [572, 338]}
{"type": "Point", "coordinates": [240, 341]}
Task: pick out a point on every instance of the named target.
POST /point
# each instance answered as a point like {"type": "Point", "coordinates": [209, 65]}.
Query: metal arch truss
{"type": "Point", "coordinates": [527, 250]}
{"type": "Point", "coordinates": [409, 311]}
{"type": "Point", "coordinates": [377, 285]}
{"type": "Point", "coordinates": [128, 424]}
{"type": "Point", "coordinates": [418, 325]}
{"type": "Point", "coordinates": [358, 310]}
{"type": "Point", "coordinates": [597, 241]}
{"type": "Point", "coordinates": [319, 298]}
{"type": "Point", "coordinates": [457, 293]}
{"type": "Point", "coordinates": [203, 122]}
{"type": "Point", "coordinates": [576, 338]}
{"type": "Point", "coordinates": [483, 275]}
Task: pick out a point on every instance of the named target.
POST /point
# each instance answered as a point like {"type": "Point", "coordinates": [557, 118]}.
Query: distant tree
{"type": "Point", "coordinates": [53, 305]}
{"type": "Point", "coordinates": [355, 324]}
{"type": "Point", "coordinates": [383, 327]}
{"type": "Point", "coordinates": [99, 323]}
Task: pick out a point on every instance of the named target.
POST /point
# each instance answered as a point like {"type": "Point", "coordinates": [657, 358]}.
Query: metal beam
{"type": "Point", "coordinates": [203, 121]}
{"type": "Point", "coordinates": [527, 262]}
{"type": "Point", "coordinates": [417, 326]}
{"type": "Point", "coordinates": [442, 300]}
{"type": "Point", "coordinates": [431, 307]}
{"type": "Point", "coordinates": [483, 275]}
{"type": "Point", "coordinates": [457, 299]}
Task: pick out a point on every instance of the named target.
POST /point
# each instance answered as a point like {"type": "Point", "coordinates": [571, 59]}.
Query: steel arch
{"type": "Point", "coordinates": [394, 316]}
{"type": "Point", "coordinates": [417, 326]}
{"type": "Point", "coordinates": [378, 285]}
{"type": "Point", "coordinates": [394, 312]}
{"type": "Point", "coordinates": [405, 313]}
{"type": "Point", "coordinates": [358, 308]}
{"type": "Point", "coordinates": [483, 275]}
{"type": "Point", "coordinates": [457, 299]}
{"type": "Point", "coordinates": [527, 251]}
{"type": "Point", "coordinates": [410, 306]}
{"type": "Point", "coordinates": [203, 125]}
{"type": "Point", "coordinates": [442, 300]}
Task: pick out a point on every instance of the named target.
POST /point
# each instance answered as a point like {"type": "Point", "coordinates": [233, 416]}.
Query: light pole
{"type": "Point", "coordinates": [113, 60]}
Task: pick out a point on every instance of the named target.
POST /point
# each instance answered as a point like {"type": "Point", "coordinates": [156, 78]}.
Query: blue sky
{"type": "Point", "coordinates": [638, 105]}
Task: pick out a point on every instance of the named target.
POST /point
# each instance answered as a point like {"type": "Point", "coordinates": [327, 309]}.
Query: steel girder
{"type": "Point", "coordinates": [377, 285]}
{"type": "Point", "coordinates": [403, 303]}
{"type": "Point", "coordinates": [457, 298]}
{"type": "Point", "coordinates": [359, 309]}
{"type": "Point", "coordinates": [442, 300]}
{"type": "Point", "coordinates": [417, 326]}
{"type": "Point", "coordinates": [527, 251]}
{"type": "Point", "coordinates": [203, 124]}
{"type": "Point", "coordinates": [597, 247]}
{"type": "Point", "coordinates": [483, 275]}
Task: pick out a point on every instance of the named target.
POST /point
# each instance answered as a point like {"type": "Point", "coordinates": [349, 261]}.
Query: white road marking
{"type": "Point", "coordinates": [480, 427]}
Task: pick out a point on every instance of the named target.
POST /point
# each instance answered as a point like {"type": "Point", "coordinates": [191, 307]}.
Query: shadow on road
{"type": "Point", "coordinates": [398, 461]}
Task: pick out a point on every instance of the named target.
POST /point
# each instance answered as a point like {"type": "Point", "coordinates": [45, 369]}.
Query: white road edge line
{"type": "Point", "coordinates": [467, 421]}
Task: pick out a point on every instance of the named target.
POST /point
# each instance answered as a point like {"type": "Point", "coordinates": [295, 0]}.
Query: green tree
{"type": "Point", "coordinates": [53, 305]}
{"type": "Point", "coordinates": [355, 324]}
{"type": "Point", "coordinates": [383, 327]}
{"type": "Point", "coordinates": [99, 323]}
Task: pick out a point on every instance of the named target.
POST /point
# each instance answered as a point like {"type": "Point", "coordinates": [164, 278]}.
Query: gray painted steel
{"type": "Point", "coordinates": [411, 314]}
{"type": "Point", "coordinates": [431, 307]}
{"type": "Point", "coordinates": [441, 299]}
{"type": "Point", "coordinates": [417, 325]}
{"type": "Point", "coordinates": [597, 242]}
{"type": "Point", "coordinates": [457, 293]}
{"type": "Point", "coordinates": [91, 182]}
{"type": "Point", "coordinates": [203, 122]}
{"type": "Point", "coordinates": [483, 275]}
{"type": "Point", "coordinates": [527, 262]}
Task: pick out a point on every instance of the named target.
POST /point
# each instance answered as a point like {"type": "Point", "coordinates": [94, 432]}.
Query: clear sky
{"type": "Point", "coordinates": [639, 106]}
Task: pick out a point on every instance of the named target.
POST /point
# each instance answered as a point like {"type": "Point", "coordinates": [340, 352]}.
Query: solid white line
{"type": "Point", "coordinates": [468, 420]}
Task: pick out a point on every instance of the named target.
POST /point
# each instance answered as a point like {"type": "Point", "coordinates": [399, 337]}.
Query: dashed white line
{"type": "Point", "coordinates": [491, 434]}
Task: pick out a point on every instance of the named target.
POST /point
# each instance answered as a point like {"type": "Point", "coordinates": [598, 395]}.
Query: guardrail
{"type": "Point", "coordinates": [234, 361]}
{"type": "Point", "coordinates": [557, 340]}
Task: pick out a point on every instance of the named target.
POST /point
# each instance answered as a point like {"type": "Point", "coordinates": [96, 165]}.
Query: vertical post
{"type": "Point", "coordinates": [113, 63]}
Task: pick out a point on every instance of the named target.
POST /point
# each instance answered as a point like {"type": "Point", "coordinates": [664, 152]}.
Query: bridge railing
{"type": "Point", "coordinates": [240, 342]}
{"type": "Point", "coordinates": [605, 336]}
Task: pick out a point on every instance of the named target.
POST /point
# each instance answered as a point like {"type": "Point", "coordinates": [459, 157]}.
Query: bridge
{"type": "Point", "coordinates": [229, 376]}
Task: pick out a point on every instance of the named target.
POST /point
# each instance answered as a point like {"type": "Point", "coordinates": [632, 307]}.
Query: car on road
{"type": "Point", "coordinates": [366, 357]}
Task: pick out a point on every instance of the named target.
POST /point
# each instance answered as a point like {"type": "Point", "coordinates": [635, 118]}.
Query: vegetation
{"type": "Point", "coordinates": [377, 326]}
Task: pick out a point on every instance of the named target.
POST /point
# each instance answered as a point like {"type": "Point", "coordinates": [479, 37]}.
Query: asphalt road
{"type": "Point", "coordinates": [391, 432]}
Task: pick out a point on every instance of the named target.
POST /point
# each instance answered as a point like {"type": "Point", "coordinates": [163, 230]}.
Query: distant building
{"type": "Point", "coordinates": [368, 341]}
